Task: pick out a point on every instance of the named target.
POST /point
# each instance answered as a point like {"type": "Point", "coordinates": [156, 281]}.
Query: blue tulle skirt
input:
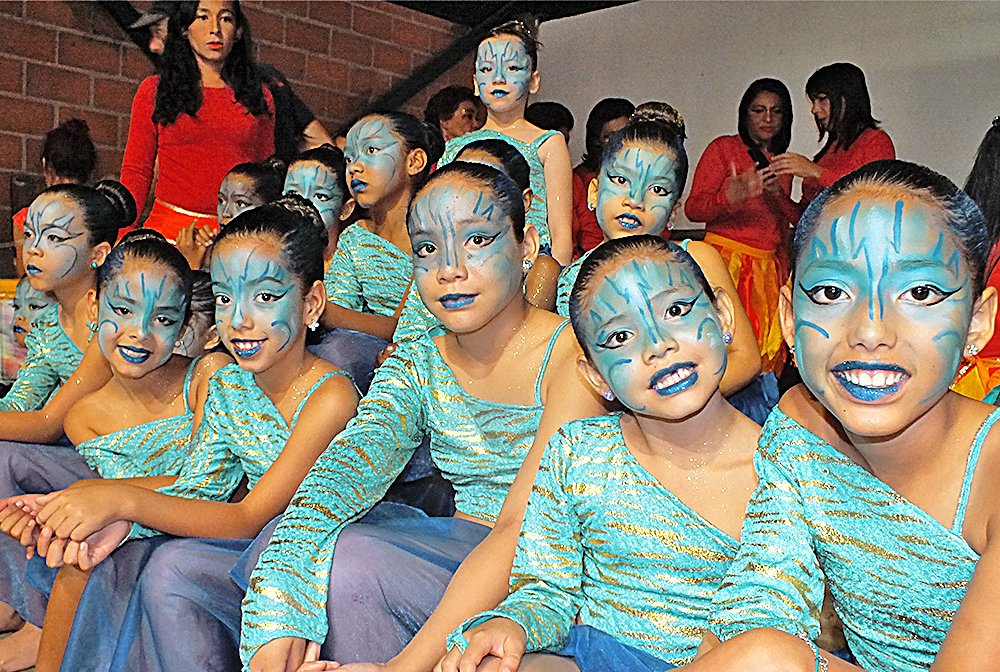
{"type": "Point", "coordinates": [594, 650]}
{"type": "Point", "coordinates": [27, 468]}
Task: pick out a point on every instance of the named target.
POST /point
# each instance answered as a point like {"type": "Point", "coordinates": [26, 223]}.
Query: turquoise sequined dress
{"type": "Point", "coordinates": [52, 359]}
{"type": "Point", "coordinates": [479, 446]}
{"type": "Point", "coordinates": [159, 447]}
{"type": "Point", "coordinates": [605, 544]}
{"type": "Point", "coordinates": [896, 574]}
{"type": "Point", "coordinates": [564, 286]}
{"type": "Point", "coordinates": [242, 433]}
{"type": "Point", "coordinates": [538, 212]}
{"type": "Point", "coordinates": [128, 617]}
{"type": "Point", "coordinates": [368, 274]}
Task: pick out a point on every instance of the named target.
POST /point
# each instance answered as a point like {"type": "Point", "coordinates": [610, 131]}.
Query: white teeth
{"type": "Point", "coordinates": [874, 379]}
{"type": "Point", "coordinates": [674, 378]}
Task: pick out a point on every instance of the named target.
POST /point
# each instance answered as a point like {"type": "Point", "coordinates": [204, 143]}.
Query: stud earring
{"type": "Point", "coordinates": [972, 349]}
{"type": "Point", "coordinates": [93, 264]}
{"type": "Point", "coordinates": [608, 394]}
{"type": "Point", "coordinates": [727, 338]}
{"type": "Point", "coordinates": [314, 325]}
{"type": "Point", "coordinates": [178, 343]}
{"type": "Point", "coordinates": [526, 265]}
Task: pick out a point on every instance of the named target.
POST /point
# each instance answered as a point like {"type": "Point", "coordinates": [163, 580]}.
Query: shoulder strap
{"type": "Point", "coordinates": [187, 382]}
{"type": "Point", "coordinates": [970, 469]}
{"type": "Point", "coordinates": [545, 361]}
{"type": "Point", "coordinates": [540, 140]}
{"type": "Point", "coordinates": [295, 416]}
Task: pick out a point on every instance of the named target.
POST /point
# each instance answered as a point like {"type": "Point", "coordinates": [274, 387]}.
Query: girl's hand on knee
{"type": "Point", "coordinates": [499, 637]}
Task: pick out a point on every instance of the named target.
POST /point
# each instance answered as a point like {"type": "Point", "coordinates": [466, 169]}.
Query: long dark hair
{"type": "Point", "coordinates": [179, 90]}
{"type": "Point", "coordinates": [779, 143]}
{"type": "Point", "coordinates": [850, 106]}
{"type": "Point", "coordinates": [983, 185]}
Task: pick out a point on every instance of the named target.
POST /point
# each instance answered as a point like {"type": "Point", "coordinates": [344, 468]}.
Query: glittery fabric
{"type": "Point", "coordinates": [602, 537]}
{"type": "Point", "coordinates": [478, 445]}
{"type": "Point", "coordinates": [564, 286]}
{"type": "Point", "coordinates": [52, 358]}
{"type": "Point", "coordinates": [897, 576]}
{"type": "Point", "coordinates": [415, 318]}
{"type": "Point", "coordinates": [242, 433]}
{"type": "Point", "coordinates": [158, 447]}
{"type": "Point", "coordinates": [538, 212]}
{"type": "Point", "coordinates": [368, 274]}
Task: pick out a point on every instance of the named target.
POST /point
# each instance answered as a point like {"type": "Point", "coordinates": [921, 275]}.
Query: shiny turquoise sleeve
{"type": "Point", "coordinates": [287, 593]}
{"type": "Point", "coordinates": [564, 285]}
{"type": "Point", "coordinates": [342, 285]}
{"type": "Point", "coordinates": [52, 358]}
{"type": "Point", "coordinates": [776, 580]}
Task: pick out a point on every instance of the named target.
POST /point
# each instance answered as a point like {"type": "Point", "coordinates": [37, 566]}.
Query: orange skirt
{"type": "Point", "coordinates": [758, 276]}
{"type": "Point", "coordinates": [169, 220]}
{"type": "Point", "coordinates": [977, 377]}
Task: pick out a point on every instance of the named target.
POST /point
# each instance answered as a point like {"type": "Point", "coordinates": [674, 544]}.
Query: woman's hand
{"type": "Point", "coordinates": [743, 186]}
{"type": "Point", "coordinates": [500, 637]}
{"type": "Point", "coordinates": [796, 165]}
{"type": "Point", "coordinates": [85, 554]}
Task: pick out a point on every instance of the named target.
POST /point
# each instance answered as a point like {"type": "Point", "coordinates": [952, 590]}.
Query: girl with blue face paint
{"type": "Point", "coordinates": [637, 191]}
{"type": "Point", "coordinates": [247, 185]}
{"type": "Point", "coordinates": [145, 289]}
{"type": "Point", "coordinates": [267, 420]}
{"type": "Point", "coordinates": [319, 175]}
{"type": "Point", "coordinates": [28, 304]}
{"type": "Point", "coordinates": [68, 232]}
{"type": "Point", "coordinates": [677, 463]}
{"type": "Point", "coordinates": [488, 390]}
{"type": "Point", "coordinates": [506, 73]}
{"type": "Point", "coordinates": [873, 474]}
{"type": "Point", "coordinates": [388, 158]}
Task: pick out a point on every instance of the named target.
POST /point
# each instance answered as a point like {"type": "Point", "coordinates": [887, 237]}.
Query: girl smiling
{"type": "Point", "coordinates": [266, 419]}
{"type": "Point", "coordinates": [657, 491]}
{"type": "Point", "coordinates": [873, 474]}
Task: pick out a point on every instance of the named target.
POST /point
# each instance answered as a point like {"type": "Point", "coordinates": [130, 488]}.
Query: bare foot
{"type": "Point", "coordinates": [9, 619]}
{"type": "Point", "coordinates": [20, 650]}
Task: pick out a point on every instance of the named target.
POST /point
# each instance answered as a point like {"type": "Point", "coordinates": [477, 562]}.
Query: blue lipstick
{"type": "Point", "coordinates": [675, 378]}
{"type": "Point", "coordinates": [628, 222]}
{"type": "Point", "coordinates": [870, 381]}
{"type": "Point", "coordinates": [32, 269]}
{"type": "Point", "coordinates": [134, 355]}
{"type": "Point", "coordinates": [243, 347]}
{"type": "Point", "coordinates": [357, 186]}
{"type": "Point", "coordinates": [456, 301]}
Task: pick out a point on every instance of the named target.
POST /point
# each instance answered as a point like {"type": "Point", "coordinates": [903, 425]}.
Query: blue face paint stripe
{"type": "Point", "coordinates": [897, 226]}
{"type": "Point", "coordinates": [812, 325]}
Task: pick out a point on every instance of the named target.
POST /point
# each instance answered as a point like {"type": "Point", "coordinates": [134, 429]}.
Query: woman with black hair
{"type": "Point", "coordinates": [843, 113]}
{"type": "Point", "coordinates": [747, 210]}
{"type": "Point", "coordinates": [204, 113]}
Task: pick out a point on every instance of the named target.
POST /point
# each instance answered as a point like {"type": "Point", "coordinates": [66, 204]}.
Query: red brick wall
{"type": "Point", "coordinates": [67, 58]}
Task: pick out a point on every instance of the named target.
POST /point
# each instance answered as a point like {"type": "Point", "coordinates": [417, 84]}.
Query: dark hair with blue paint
{"type": "Point", "coordinates": [295, 223]}
{"type": "Point", "coordinates": [148, 245]}
{"type": "Point", "coordinates": [524, 34]}
{"type": "Point", "coordinates": [515, 166]}
{"type": "Point", "coordinates": [657, 124]}
{"type": "Point", "coordinates": [415, 134]}
{"type": "Point", "coordinates": [963, 217]}
{"type": "Point", "coordinates": [779, 143]}
{"type": "Point", "coordinates": [107, 208]}
{"type": "Point", "coordinates": [506, 193]}
{"type": "Point", "coordinates": [850, 105]}
{"type": "Point", "coordinates": [268, 176]}
{"type": "Point", "coordinates": [615, 251]}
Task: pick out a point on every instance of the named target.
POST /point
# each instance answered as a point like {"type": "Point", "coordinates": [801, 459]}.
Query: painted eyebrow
{"type": "Point", "coordinates": [918, 265]}
{"type": "Point", "coordinates": [119, 296]}
{"type": "Point", "coordinates": [832, 265]}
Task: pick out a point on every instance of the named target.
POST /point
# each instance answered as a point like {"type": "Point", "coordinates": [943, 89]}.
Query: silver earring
{"type": "Point", "coordinates": [972, 349]}
{"type": "Point", "coordinates": [608, 394]}
{"type": "Point", "coordinates": [526, 265]}
{"type": "Point", "coordinates": [178, 343]}
{"type": "Point", "coordinates": [727, 338]}
{"type": "Point", "coordinates": [314, 325]}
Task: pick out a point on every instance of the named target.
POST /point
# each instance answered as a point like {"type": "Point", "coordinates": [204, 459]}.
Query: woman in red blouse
{"type": "Point", "coordinates": [747, 210]}
{"type": "Point", "coordinates": [843, 113]}
{"type": "Point", "coordinates": [204, 113]}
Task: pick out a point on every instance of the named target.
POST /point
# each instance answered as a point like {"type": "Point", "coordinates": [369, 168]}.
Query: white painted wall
{"type": "Point", "coordinates": [933, 68]}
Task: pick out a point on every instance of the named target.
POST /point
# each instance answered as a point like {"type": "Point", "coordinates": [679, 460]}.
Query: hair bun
{"type": "Point", "coordinates": [660, 113]}
{"type": "Point", "coordinates": [138, 235]}
{"type": "Point", "coordinates": [123, 205]}
{"type": "Point", "coordinates": [434, 141]}
{"type": "Point", "coordinates": [303, 207]}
